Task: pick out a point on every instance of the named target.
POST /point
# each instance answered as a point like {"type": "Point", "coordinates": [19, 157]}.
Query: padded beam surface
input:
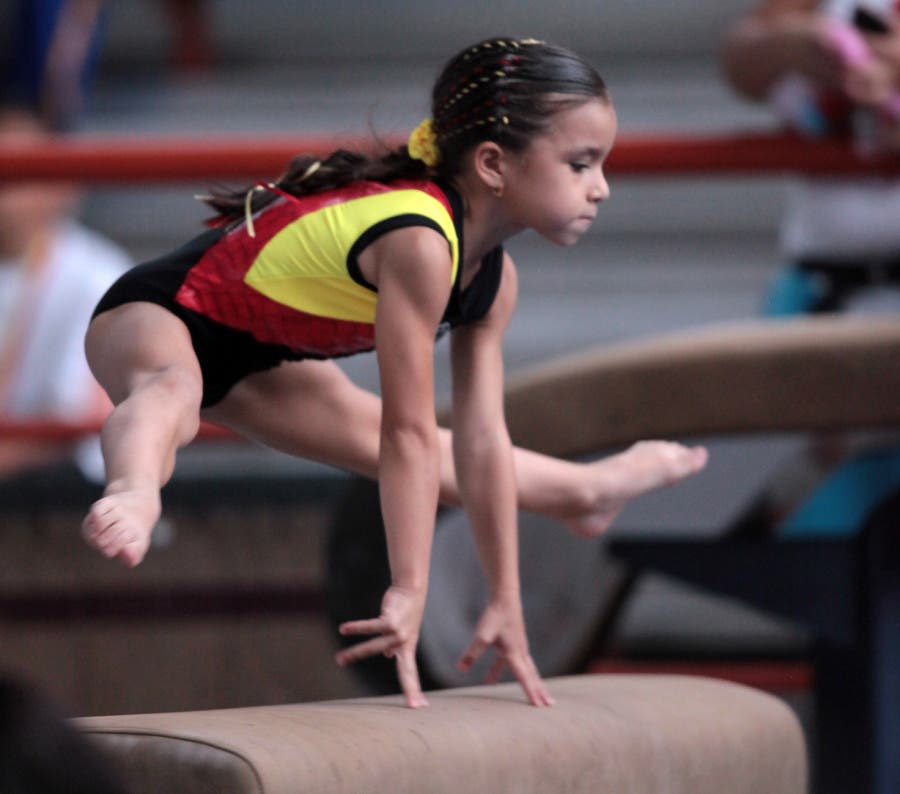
{"type": "Point", "coordinates": [808, 374]}
{"type": "Point", "coordinates": [618, 734]}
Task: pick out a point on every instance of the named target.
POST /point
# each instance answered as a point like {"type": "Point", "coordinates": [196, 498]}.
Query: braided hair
{"type": "Point", "coordinates": [504, 90]}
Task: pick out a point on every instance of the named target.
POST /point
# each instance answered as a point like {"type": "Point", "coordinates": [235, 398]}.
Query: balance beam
{"type": "Point", "coordinates": [607, 733]}
{"type": "Point", "coordinates": [806, 374]}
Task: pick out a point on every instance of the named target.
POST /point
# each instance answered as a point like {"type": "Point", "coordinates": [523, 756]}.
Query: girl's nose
{"type": "Point", "coordinates": [600, 190]}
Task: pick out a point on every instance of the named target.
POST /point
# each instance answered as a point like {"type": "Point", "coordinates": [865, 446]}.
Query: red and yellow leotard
{"type": "Point", "coordinates": [295, 290]}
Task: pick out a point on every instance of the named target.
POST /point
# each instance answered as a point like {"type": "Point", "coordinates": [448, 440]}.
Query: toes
{"type": "Point", "coordinates": [95, 533]}
{"type": "Point", "coordinates": [109, 534]}
{"type": "Point", "coordinates": [119, 525]}
{"type": "Point", "coordinates": [98, 522]}
{"type": "Point", "coordinates": [111, 542]}
{"type": "Point", "coordinates": [698, 458]}
{"type": "Point", "coordinates": [103, 534]}
{"type": "Point", "coordinates": [132, 553]}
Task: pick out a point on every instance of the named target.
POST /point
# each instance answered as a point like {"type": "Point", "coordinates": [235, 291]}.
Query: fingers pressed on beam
{"type": "Point", "coordinates": [543, 694]}
{"type": "Point", "coordinates": [529, 678]}
{"type": "Point", "coordinates": [408, 675]}
{"type": "Point", "coordinates": [537, 693]}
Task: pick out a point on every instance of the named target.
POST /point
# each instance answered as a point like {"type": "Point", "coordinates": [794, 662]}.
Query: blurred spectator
{"type": "Point", "coordinates": [830, 69]}
{"type": "Point", "coordinates": [53, 46]}
{"type": "Point", "coordinates": [52, 273]}
{"type": "Point", "coordinates": [41, 753]}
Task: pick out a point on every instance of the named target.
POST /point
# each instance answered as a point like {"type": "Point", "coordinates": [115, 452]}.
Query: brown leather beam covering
{"type": "Point", "coordinates": [810, 374]}
{"type": "Point", "coordinates": [620, 733]}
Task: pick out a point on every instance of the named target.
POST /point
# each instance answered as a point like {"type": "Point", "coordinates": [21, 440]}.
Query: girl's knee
{"type": "Point", "coordinates": [181, 385]}
{"type": "Point", "coordinates": [177, 387]}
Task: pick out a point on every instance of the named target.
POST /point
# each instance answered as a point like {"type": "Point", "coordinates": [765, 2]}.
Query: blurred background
{"type": "Point", "coordinates": [227, 609]}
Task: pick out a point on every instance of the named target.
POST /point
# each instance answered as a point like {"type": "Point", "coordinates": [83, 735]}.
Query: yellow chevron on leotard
{"type": "Point", "coordinates": [304, 265]}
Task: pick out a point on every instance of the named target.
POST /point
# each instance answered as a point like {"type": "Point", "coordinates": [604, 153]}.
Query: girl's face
{"type": "Point", "coordinates": [555, 186]}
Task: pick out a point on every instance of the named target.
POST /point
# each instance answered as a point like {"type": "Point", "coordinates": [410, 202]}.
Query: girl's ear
{"type": "Point", "coordinates": [489, 163]}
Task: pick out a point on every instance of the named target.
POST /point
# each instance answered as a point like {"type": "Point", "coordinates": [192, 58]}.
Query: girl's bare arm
{"type": "Point", "coordinates": [483, 456]}
{"type": "Point", "coordinates": [413, 276]}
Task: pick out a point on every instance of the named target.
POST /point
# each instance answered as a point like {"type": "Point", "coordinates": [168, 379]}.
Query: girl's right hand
{"type": "Point", "coordinates": [398, 629]}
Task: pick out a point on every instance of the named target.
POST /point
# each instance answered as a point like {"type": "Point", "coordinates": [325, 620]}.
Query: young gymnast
{"type": "Point", "coordinates": [356, 253]}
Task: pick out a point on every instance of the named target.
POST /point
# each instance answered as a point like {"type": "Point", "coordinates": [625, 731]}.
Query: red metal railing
{"type": "Point", "coordinates": [59, 432]}
{"type": "Point", "coordinates": [122, 160]}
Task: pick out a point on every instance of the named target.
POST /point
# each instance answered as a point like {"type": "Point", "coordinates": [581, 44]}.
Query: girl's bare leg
{"type": "Point", "coordinates": [142, 355]}
{"type": "Point", "coordinates": [587, 497]}
{"type": "Point", "coordinates": [311, 409]}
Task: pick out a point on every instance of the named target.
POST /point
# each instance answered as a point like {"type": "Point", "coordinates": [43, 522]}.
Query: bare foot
{"type": "Point", "coordinates": [615, 481]}
{"type": "Point", "coordinates": [120, 524]}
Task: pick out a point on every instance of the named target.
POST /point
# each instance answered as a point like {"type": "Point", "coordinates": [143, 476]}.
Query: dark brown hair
{"type": "Point", "coordinates": [502, 89]}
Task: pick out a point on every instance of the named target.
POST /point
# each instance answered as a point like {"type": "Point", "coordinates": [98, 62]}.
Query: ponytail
{"type": "Point", "coordinates": [306, 175]}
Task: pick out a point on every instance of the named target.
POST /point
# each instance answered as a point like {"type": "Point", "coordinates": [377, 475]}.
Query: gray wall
{"type": "Point", "coordinates": [285, 31]}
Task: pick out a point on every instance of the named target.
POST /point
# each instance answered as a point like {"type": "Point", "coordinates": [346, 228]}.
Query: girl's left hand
{"type": "Point", "coordinates": [398, 630]}
{"type": "Point", "coordinates": [502, 626]}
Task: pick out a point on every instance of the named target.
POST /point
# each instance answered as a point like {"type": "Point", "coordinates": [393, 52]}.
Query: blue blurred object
{"type": "Point", "coordinates": [794, 291]}
{"type": "Point", "coordinates": [843, 502]}
{"type": "Point", "coordinates": [37, 26]}
{"type": "Point", "coordinates": [840, 504]}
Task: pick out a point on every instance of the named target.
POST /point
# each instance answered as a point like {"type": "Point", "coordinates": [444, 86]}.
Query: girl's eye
{"type": "Point", "coordinates": [579, 167]}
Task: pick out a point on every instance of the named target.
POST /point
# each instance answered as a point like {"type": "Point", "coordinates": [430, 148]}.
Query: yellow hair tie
{"type": "Point", "coordinates": [422, 144]}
